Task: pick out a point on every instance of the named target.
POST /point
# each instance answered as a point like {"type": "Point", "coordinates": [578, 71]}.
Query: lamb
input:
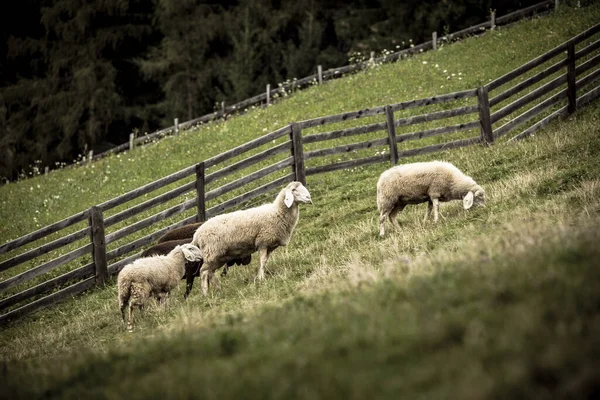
{"type": "Point", "coordinates": [182, 232]}
{"type": "Point", "coordinates": [422, 182]}
{"type": "Point", "coordinates": [241, 233]}
{"type": "Point", "coordinates": [192, 269]}
{"type": "Point", "coordinates": [153, 276]}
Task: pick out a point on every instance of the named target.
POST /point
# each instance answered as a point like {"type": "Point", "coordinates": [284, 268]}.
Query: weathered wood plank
{"type": "Point", "coordinates": [48, 300]}
{"type": "Point", "coordinates": [367, 112]}
{"type": "Point", "coordinates": [359, 130]}
{"type": "Point", "coordinates": [588, 97]}
{"type": "Point", "coordinates": [96, 222]}
{"type": "Point", "coordinates": [347, 164]}
{"type": "Point", "coordinates": [529, 114]}
{"type": "Point", "coordinates": [541, 59]}
{"type": "Point", "coordinates": [249, 195]}
{"type": "Point", "coordinates": [236, 151]}
{"type": "Point", "coordinates": [107, 205]}
{"type": "Point", "coordinates": [297, 153]}
{"type": "Point", "coordinates": [345, 148]}
{"type": "Point", "coordinates": [440, 147]}
{"type": "Point", "coordinates": [128, 230]}
{"type": "Point", "coordinates": [528, 82]}
{"type": "Point", "coordinates": [391, 130]}
{"type": "Point", "coordinates": [115, 268]}
{"type": "Point", "coordinates": [592, 62]}
{"type": "Point", "coordinates": [571, 78]}
{"type": "Point", "coordinates": [43, 232]}
{"type": "Point", "coordinates": [417, 119]}
{"type": "Point", "coordinates": [79, 273]}
{"type": "Point", "coordinates": [43, 249]}
{"type": "Point", "coordinates": [249, 178]}
{"type": "Point", "coordinates": [158, 200]}
{"type": "Point", "coordinates": [540, 124]}
{"type": "Point", "coordinates": [588, 49]}
{"type": "Point", "coordinates": [437, 131]}
{"type": "Point", "coordinates": [443, 98]}
{"type": "Point", "coordinates": [526, 67]}
{"type": "Point", "coordinates": [200, 191]}
{"type": "Point", "coordinates": [264, 155]}
{"type": "Point", "coordinates": [528, 98]}
{"type": "Point", "coordinates": [484, 115]}
{"type": "Point", "coordinates": [46, 267]}
{"type": "Point", "coordinates": [583, 82]}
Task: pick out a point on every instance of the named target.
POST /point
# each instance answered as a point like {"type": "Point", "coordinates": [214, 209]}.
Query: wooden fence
{"type": "Point", "coordinates": [99, 242]}
{"type": "Point", "coordinates": [271, 93]}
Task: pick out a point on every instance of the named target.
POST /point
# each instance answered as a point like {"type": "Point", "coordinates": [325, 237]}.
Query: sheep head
{"type": "Point", "coordinates": [296, 192]}
{"type": "Point", "coordinates": [191, 252]}
{"type": "Point", "coordinates": [476, 197]}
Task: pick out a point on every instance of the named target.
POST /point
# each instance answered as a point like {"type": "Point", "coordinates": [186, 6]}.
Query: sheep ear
{"type": "Point", "coordinates": [468, 201]}
{"type": "Point", "coordinates": [289, 198]}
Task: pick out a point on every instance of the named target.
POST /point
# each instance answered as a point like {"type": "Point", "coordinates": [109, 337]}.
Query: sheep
{"type": "Point", "coordinates": [422, 182]}
{"type": "Point", "coordinates": [192, 269]}
{"type": "Point", "coordinates": [241, 233]}
{"type": "Point", "coordinates": [182, 232]}
{"type": "Point", "coordinates": [152, 276]}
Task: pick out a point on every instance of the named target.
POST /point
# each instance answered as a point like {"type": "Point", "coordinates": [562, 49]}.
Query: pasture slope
{"type": "Point", "coordinates": [498, 302]}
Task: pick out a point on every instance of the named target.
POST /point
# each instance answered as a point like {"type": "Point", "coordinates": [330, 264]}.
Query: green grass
{"type": "Point", "coordinates": [497, 302]}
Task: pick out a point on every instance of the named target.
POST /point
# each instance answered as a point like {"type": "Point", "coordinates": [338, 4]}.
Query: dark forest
{"type": "Point", "coordinates": [82, 75]}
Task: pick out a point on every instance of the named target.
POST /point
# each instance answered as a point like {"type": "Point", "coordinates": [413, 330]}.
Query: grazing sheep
{"type": "Point", "coordinates": [422, 182]}
{"type": "Point", "coordinates": [182, 232]}
{"type": "Point", "coordinates": [192, 268]}
{"type": "Point", "coordinates": [153, 276]}
{"type": "Point", "coordinates": [241, 233]}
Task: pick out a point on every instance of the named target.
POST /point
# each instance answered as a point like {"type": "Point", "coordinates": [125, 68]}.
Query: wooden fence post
{"type": "Point", "coordinates": [96, 223]}
{"type": "Point", "coordinates": [222, 108]}
{"type": "Point", "coordinates": [391, 129]}
{"type": "Point", "coordinates": [298, 152]}
{"type": "Point", "coordinates": [434, 40]}
{"type": "Point", "coordinates": [46, 170]}
{"type": "Point", "coordinates": [485, 121]}
{"type": "Point", "coordinates": [176, 124]}
{"type": "Point", "coordinates": [200, 192]}
{"type": "Point", "coordinates": [131, 139]}
{"type": "Point", "coordinates": [493, 19]}
{"type": "Point", "coordinates": [268, 93]}
{"type": "Point", "coordinates": [571, 78]}
{"type": "Point", "coordinates": [90, 155]}
{"type": "Point", "coordinates": [320, 74]}
{"type": "Point", "coordinates": [556, 3]}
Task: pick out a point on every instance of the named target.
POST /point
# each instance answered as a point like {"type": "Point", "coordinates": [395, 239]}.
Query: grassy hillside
{"type": "Point", "coordinates": [497, 302]}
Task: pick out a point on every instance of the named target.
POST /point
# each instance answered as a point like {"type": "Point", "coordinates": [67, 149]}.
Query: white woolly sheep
{"type": "Point", "coordinates": [153, 276]}
{"type": "Point", "coordinates": [422, 182]}
{"type": "Point", "coordinates": [241, 233]}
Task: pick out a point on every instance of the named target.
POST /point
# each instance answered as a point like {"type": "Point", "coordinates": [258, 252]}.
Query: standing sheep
{"type": "Point", "coordinates": [153, 276]}
{"type": "Point", "coordinates": [422, 182]}
{"type": "Point", "coordinates": [241, 233]}
{"type": "Point", "coordinates": [192, 269]}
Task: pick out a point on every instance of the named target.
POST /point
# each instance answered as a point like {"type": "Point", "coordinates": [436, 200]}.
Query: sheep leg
{"type": "Point", "coordinates": [264, 257]}
{"type": "Point", "coordinates": [204, 281]}
{"type": "Point", "coordinates": [436, 205]}
{"type": "Point", "coordinates": [394, 214]}
{"type": "Point", "coordinates": [428, 211]}
{"type": "Point", "coordinates": [130, 322]}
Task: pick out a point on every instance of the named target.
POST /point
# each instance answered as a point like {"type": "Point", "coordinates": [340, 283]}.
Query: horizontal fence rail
{"type": "Point", "coordinates": [279, 157]}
